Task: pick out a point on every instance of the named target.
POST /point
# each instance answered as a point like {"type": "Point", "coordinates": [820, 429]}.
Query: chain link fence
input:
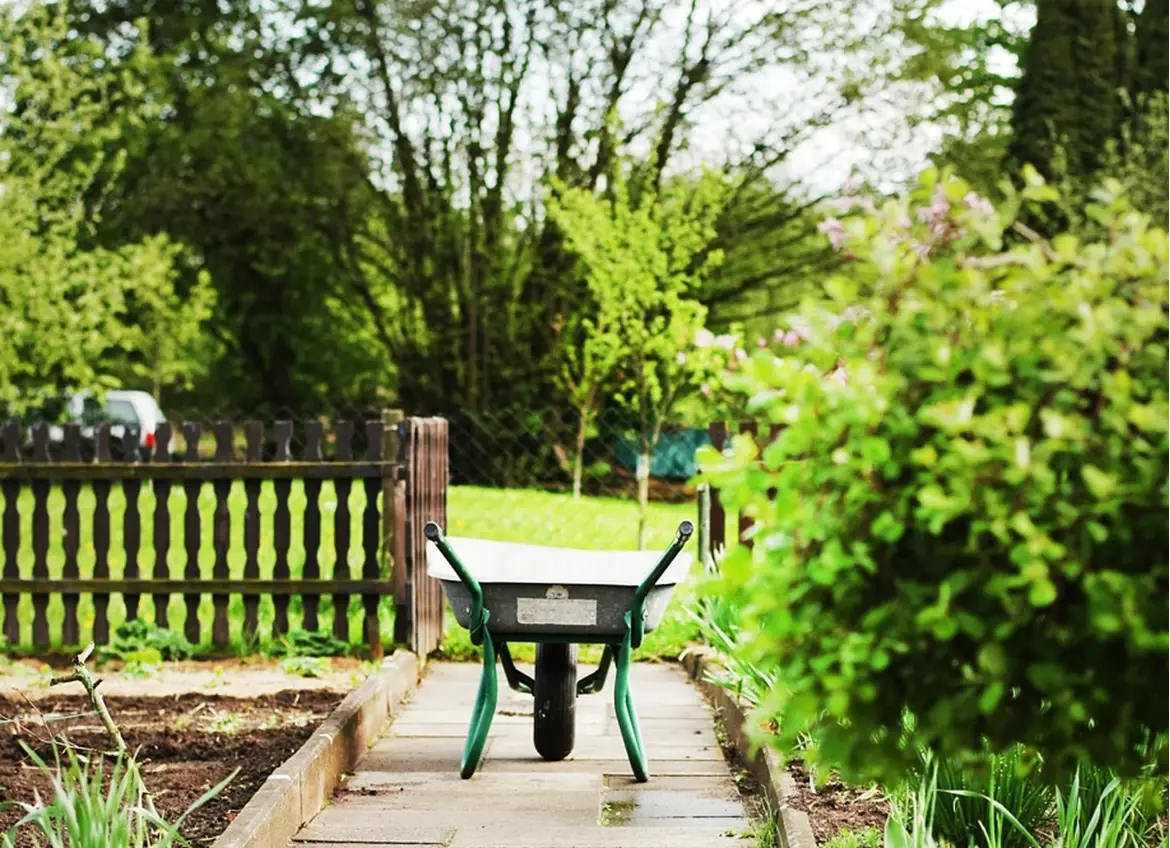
{"type": "Point", "coordinates": [513, 478]}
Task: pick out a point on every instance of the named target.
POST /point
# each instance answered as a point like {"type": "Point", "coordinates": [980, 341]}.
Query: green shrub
{"type": "Point", "coordinates": [969, 520]}
{"type": "Point", "coordinates": [305, 666]}
{"type": "Point", "coordinates": [311, 643]}
{"type": "Point", "coordinates": [144, 641]}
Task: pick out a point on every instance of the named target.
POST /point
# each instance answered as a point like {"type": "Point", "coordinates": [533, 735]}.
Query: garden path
{"type": "Point", "coordinates": [406, 791]}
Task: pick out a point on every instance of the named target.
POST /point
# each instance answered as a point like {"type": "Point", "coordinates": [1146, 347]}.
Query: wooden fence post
{"type": "Point", "coordinates": [717, 540]}
{"type": "Point", "coordinates": [393, 517]}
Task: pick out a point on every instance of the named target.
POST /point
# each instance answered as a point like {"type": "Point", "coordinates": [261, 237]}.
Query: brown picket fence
{"type": "Point", "coordinates": [402, 469]}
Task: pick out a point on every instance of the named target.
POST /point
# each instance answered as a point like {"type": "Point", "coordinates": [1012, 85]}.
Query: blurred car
{"type": "Point", "coordinates": [126, 411]}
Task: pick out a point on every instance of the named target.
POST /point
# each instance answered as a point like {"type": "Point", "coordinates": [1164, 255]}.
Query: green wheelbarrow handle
{"type": "Point", "coordinates": [479, 615]}
{"type": "Point", "coordinates": [637, 612]}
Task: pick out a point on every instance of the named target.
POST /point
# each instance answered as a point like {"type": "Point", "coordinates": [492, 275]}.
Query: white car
{"type": "Point", "coordinates": [121, 409]}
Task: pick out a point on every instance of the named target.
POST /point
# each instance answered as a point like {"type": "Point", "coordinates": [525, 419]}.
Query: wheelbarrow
{"type": "Point", "coordinates": [558, 598]}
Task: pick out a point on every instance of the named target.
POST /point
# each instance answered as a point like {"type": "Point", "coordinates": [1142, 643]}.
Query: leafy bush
{"type": "Point", "coordinates": [93, 809]}
{"type": "Point", "coordinates": [969, 515]}
{"type": "Point", "coordinates": [311, 643]}
{"type": "Point", "coordinates": [145, 642]}
{"type": "Point", "coordinates": [305, 666]}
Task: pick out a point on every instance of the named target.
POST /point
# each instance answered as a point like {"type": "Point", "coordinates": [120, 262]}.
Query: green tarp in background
{"type": "Point", "coordinates": [673, 458]}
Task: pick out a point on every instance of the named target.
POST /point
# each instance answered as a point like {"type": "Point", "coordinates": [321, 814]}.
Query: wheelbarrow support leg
{"type": "Point", "coordinates": [592, 683]}
{"type": "Point", "coordinates": [623, 706]}
{"type": "Point", "coordinates": [482, 715]}
{"type": "Point", "coordinates": [623, 701]}
{"type": "Point", "coordinates": [485, 699]}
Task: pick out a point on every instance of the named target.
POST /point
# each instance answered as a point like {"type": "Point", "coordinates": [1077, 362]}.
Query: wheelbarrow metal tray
{"type": "Point", "coordinates": [535, 592]}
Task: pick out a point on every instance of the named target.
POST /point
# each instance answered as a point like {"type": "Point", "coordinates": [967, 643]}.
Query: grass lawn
{"type": "Point", "coordinates": [500, 514]}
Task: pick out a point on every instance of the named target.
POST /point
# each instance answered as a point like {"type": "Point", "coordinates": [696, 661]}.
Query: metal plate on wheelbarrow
{"type": "Point", "coordinates": [532, 591]}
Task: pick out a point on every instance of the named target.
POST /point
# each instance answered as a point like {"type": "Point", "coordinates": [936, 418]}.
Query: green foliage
{"type": "Point", "coordinates": [719, 626]}
{"type": "Point", "coordinates": [144, 641]}
{"type": "Point", "coordinates": [305, 666]}
{"type": "Point", "coordinates": [1068, 96]}
{"type": "Point", "coordinates": [1012, 779]}
{"type": "Point", "coordinates": [1110, 819]}
{"type": "Point", "coordinates": [95, 808]}
{"type": "Point", "coordinates": [969, 516]}
{"type": "Point", "coordinates": [644, 259]}
{"type": "Point", "coordinates": [75, 312]}
{"type": "Point", "coordinates": [867, 837]}
{"type": "Point", "coordinates": [312, 643]}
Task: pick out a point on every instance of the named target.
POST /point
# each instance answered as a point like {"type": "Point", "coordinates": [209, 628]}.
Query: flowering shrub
{"type": "Point", "coordinates": [962, 524]}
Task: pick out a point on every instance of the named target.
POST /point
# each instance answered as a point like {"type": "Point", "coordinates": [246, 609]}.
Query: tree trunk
{"type": "Point", "coordinates": [643, 496]}
{"type": "Point", "coordinates": [579, 458]}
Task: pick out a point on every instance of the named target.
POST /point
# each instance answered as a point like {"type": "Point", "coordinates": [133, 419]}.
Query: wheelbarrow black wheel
{"type": "Point", "coordinates": [555, 700]}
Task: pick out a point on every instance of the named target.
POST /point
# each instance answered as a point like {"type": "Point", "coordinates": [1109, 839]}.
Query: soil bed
{"type": "Point", "coordinates": [836, 807]}
{"type": "Point", "coordinates": [186, 743]}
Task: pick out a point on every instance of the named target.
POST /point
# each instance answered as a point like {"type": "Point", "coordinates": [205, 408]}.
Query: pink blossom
{"type": "Point", "coordinates": [680, 358]}
{"type": "Point", "coordinates": [794, 336]}
{"type": "Point", "coordinates": [835, 230]}
{"type": "Point", "coordinates": [740, 354]}
{"type": "Point", "coordinates": [778, 335]}
{"type": "Point", "coordinates": [705, 390]}
{"type": "Point", "coordinates": [704, 338]}
{"type": "Point", "coordinates": [727, 342]}
{"type": "Point", "coordinates": [840, 375]}
{"type": "Point", "coordinates": [761, 343]}
{"type": "Point", "coordinates": [978, 205]}
{"type": "Point", "coordinates": [935, 214]}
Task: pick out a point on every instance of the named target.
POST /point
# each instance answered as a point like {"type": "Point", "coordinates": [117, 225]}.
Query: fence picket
{"type": "Point", "coordinates": [71, 536]}
{"type": "Point", "coordinates": [131, 518]}
{"type": "Point", "coordinates": [162, 522]}
{"type": "Point", "coordinates": [343, 434]}
{"type": "Point", "coordinates": [101, 536]}
{"type": "Point", "coordinates": [222, 535]}
{"type": "Point", "coordinates": [314, 440]}
{"type": "Point", "coordinates": [371, 539]}
{"type": "Point", "coordinates": [254, 434]}
{"type": "Point", "coordinates": [40, 530]}
{"type": "Point", "coordinates": [11, 453]}
{"type": "Point", "coordinates": [281, 525]}
{"type": "Point", "coordinates": [192, 521]}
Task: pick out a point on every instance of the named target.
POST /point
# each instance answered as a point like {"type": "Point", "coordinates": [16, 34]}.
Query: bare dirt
{"type": "Point", "coordinates": [186, 743]}
{"type": "Point", "coordinates": [229, 676]}
{"type": "Point", "coordinates": [836, 807]}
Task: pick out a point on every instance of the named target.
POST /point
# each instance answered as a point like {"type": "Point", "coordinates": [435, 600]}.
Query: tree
{"type": "Point", "coordinates": [644, 262]}
{"type": "Point", "coordinates": [478, 107]}
{"type": "Point", "coordinates": [166, 325]}
{"type": "Point", "coordinates": [1068, 104]}
{"type": "Point", "coordinates": [1152, 34]}
{"type": "Point", "coordinates": [62, 295]}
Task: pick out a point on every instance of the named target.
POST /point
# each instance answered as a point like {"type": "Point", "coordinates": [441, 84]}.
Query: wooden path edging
{"type": "Point", "coordinates": [764, 764]}
{"type": "Point", "coordinates": [298, 790]}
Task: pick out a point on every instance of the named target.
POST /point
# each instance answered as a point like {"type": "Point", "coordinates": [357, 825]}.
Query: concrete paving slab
{"type": "Point", "coordinates": [504, 836]}
{"type": "Point", "coordinates": [406, 790]}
